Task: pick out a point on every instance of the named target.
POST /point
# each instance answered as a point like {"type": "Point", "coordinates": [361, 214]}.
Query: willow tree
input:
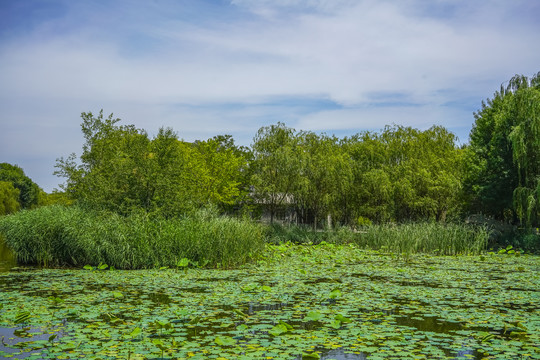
{"type": "Point", "coordinates": [523, 106]}
{"type": "Point", "coordinates": [504, 153]}
{"type": "Point", "coordinates": [275, 166]}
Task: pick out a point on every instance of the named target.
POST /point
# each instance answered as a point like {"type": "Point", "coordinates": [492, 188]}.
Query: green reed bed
{"type": "Point", "coordinates": [433, 238]}
{"type": "Point", "coordinates": [57, 235]}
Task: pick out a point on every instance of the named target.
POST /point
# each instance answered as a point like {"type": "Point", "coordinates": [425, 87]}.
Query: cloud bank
{"type": "Point", "coordinates": [213, 67]}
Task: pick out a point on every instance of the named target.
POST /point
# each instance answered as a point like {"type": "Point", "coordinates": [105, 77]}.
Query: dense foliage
{"type": "Point", "coordinates": [9, 198]}
{"type": "Point", "coordinates": [399, 174]}
{"type": "Point", "coordinates": [18, 191]}
{"type": "Point", "coordinates": [15, 186]}
{"type": "Point", "coordinates": [121, 169]}
{"type": "Point", "coordinates": [504, 154]}
{"type": "Point", "coordinates": [58, 235]}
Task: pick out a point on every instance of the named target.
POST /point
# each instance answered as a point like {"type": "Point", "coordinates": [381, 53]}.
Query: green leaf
{"type": "Point", "coordinates": [118, 294]}
{"type": "Point", "coordinates": [336, 293]}
{"type": "Point", "coordinates": [159, 344]}
{"type": "Point", "coordinates": [342, 318]}
{"type": "Point", "coordinates": [312, 355]}
{"type": "Point", "coordinates": [336, 324]}
{"type": "Point", "coordinates": [136, 332]}
{"type": "Point", "coordinates": [225, 341]}
{"type": "Point", "coordinates": [239, 312]}
{"type": "Point", "coordinates": [313, 316]}
{"type": "Point", "coordinates": [22, 317]}
{"type": "Point", "coordinates": [242, 327]}
{"type": "Point", "coordinates": [279, 329]}
{"type": "Point", "coordinates": [88, 267]}
{"type": "Point", "coordinates": [183, 262]}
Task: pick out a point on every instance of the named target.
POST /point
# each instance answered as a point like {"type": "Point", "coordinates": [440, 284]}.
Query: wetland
{"type": "Point", "coordinates": [296, 302]}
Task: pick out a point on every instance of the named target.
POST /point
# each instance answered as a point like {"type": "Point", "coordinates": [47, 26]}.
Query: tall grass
{"type": "Point", "coordinates": [434, 238]}
{"type": "Point", "coordinates": [403, 239]}
{"type": "Point", "coordinates": [57, 235]}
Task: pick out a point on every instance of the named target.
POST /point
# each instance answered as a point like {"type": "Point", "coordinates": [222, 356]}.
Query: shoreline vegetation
{"type": "Point", "coordinates": [56, 235]}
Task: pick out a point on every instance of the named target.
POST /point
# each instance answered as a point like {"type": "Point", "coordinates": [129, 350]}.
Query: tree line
{"type": "Point", "coordinates": [399, 174]}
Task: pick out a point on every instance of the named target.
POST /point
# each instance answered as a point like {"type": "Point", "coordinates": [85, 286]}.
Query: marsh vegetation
{"type": "Point", "coordinates": [296, 301]}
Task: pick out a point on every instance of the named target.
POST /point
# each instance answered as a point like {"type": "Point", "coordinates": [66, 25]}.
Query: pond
{"type": "Point", "coordinates": [299, 302]}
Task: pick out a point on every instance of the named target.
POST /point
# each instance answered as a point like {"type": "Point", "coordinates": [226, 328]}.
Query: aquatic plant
{"type": "Point", "coordinates": [429, 307]}
{"type": "Point", "coordinates": [400, 239]}
{"type": "Point", "coordinates": [57, 235]}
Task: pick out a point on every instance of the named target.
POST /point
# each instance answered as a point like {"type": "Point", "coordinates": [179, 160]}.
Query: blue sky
{"type": "Point", "coordinates": [229, 67]}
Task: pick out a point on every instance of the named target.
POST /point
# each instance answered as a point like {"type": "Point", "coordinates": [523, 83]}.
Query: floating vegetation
{"type": "Point", "coordinates": [297, 302]}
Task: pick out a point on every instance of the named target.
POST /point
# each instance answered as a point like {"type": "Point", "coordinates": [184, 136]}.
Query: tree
{"type": "Point", "coordinates": [504, 153]}
{"type": "Point", "coordinates": [323, 175]}
{"type": "Point", "coordinates": [9, 196]}
{"type": "Point", "coordinates": [523, 99]}
{"type": "Point", "coordinates": [275, 166]}
{"type": "Point", "coordinates": [225, 173]}
{"type": "Point", "coordinates": [370, 190]}
{"type": "Point", "coordinates": [121, 169]}
{"type": "Point", "coordinates": [114, 168]}
{"type": "Point", "coordinates": [405, 174]}
{"type": "Point", "coordinates": [28, 190]}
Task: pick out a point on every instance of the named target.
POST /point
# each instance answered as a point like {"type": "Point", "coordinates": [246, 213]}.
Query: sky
{"type": "Point", "coordinates": [214, 67]}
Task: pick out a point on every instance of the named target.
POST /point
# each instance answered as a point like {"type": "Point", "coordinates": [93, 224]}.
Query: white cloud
{"type": "Point", "coordinates": [153, 69]}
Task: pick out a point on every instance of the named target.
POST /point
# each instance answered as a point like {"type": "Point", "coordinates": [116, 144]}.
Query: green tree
{"type": "Point", "coordinates": [503, 159]}
{"type": "Point", "coordinates": [114, 166]}
{"type": "Point", "coordinates": [275, 166]}
{"type": "Point", "coordinates": [28, 190]}
{"type": "Point", "coordinates": [9, 198]}
{"type": "Point", "coordinates": [323, 174]}
{"type": "Point", "coordinates": [404, 174]}
{"type": "Point", "coordinates": [121, 169]}
{"type": "Point", "coordinates": [523, 99]}
{"type": "Point", "coordinates": [369, 195]}
{"type": "Point", "coordinates": [225, 173]}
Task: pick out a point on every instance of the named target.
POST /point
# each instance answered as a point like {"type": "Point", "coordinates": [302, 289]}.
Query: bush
{"type": "Point", "coordinates": [57, 235]}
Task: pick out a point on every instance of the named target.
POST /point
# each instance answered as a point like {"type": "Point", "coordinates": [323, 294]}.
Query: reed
{"type": "Point", "coordinates": [433, 238]}
{"type": "Point", "coordinates": [72, 236]}
{"type": "Point", "coordinates": [402, 239]}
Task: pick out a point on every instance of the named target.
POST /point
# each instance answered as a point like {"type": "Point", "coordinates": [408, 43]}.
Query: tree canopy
{"type": "Point", "coordinates": [123, 170]}
{"type": "Point", "coordinates": [28, 191]}
{"type": "Point", "coordinates": [399, 174]}
{"type": "Point", "coordinates": [504, 153]}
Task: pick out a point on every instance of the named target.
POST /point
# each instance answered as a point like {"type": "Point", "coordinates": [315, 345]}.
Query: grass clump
{"type": "Point", "coordinates": [58, 236]}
